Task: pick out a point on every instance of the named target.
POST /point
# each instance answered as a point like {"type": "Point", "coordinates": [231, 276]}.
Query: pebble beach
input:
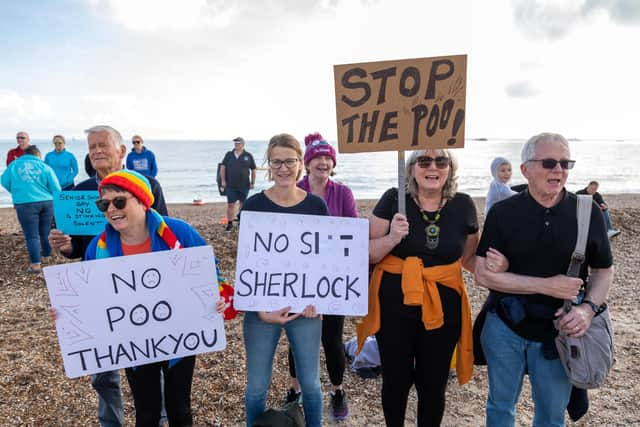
{"type": "Point", "coordinates": [34, 390]}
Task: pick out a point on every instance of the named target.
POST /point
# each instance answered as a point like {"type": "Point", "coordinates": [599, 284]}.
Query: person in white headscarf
{"type": "Point", "coordinates": [499, 189]}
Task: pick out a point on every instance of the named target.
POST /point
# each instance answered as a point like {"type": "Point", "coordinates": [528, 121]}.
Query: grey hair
{"type": "Point", "coordinates": [115, 135]}
{"type": "Point", "coordinates": [450, 186]}
{"type": "Point", "coordinates": [33, 150]}
{"type": "Point", "coordinates": [529, 148]}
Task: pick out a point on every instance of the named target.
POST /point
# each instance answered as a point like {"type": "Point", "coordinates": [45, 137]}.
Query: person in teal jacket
{"type": "Point", "coordinates": [63, 163]}
{"type": "Point", "coordinates": [32, 183]}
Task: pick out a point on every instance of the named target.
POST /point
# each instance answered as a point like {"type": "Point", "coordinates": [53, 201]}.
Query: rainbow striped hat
{"type": "Point", "coordinates": [133, 182]}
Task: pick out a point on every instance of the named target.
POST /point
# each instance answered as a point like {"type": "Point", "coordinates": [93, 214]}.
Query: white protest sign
{"type": "Point", "coordinates": [297, 260]}
{"type": "Point", "coordinates": [133, 310]}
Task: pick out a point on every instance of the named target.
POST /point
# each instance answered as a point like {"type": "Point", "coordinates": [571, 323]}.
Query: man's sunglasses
{"type": "Point", "coordinates": [551, 163]}
{"type": "Point", "coordinates": [21, 137]}
{"type": "Point", "coordinates": [118, 202]}
{"type": "Point", "coordinates": [137, 142]}
{"type": "Point", "coordinates": [425, 161]}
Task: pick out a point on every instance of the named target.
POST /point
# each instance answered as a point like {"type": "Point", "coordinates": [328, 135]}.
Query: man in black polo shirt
{"type": "Point", "coordinates": [537, 231]}
{"type": "Point", "coordinates": [106, 153]}
{"type": "Point", "coordinates": [235, 169]}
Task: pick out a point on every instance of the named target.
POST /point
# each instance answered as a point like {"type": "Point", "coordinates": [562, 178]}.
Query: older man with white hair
{"type": "Point", "coordinates": [537, 231]}
{"type": "Point", "coordinates": [22, 138]}
{"type": "Point", "coordinates": [106, 152]}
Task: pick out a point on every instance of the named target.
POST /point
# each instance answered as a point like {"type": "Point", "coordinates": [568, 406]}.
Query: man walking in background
{"type": "Point", "coordinates": [141, 159]}
{"type": "Point", "coordinates": [63, 163]}
{"type": "Point", "coordinates": [23, 142]}
{"type": "Point", "coordinates": [592, 189]}
{"type": "Point", "coordinates": [237, 176]}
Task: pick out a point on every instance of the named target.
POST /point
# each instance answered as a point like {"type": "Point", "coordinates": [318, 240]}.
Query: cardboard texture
{"type": "Point", "coordinates": [398, 105]}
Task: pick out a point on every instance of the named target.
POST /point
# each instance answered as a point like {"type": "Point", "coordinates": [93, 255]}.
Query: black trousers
{"type": "Point", "coordinates": [144, 382]}
{"type": "Point", "coordinates": [412, 355]}
{"type": "Point", "coordinates": [332, 329]}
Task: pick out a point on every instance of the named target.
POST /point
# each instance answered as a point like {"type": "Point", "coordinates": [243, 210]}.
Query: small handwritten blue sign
{"type": "Point", "coordinates": [76, 213]}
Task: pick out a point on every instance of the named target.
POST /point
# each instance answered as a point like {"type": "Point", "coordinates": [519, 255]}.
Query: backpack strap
{"type": "Point", "coordinates": [583, 213]}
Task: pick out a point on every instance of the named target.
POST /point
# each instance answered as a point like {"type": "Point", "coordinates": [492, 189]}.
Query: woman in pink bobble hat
{"type": "Point", "coordinates": [319, 162]}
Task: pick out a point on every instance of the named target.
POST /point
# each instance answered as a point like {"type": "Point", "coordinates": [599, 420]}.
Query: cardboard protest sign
{"type": "Point", "coordinates": [76, 213]}
{"type": "Point", "coordinates": [401, 105]}
{"type": "Point", "coordinates": [297, 260]}
{"type": "Point", "coordinates": [133, 310]}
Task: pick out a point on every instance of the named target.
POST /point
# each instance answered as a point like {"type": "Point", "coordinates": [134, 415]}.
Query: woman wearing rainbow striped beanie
{"type": "Point", "coordinates": [133, 227]}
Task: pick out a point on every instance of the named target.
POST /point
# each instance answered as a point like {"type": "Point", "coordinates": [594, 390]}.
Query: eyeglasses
{"type": "Point", "coordinates": [289, 163]}
{"type": "Point", "coordinates": [21, 137]}
{"type": "Point", "coordinates": [137, 142]}
{"type": "Point", "coordinates": [551, 163]}
{"type": "Point", "coordinates": [118, 202]}
{"type": "Point", "coordinates": [58, 142]}
{"type": "Point", "coordinates": [425, 161]}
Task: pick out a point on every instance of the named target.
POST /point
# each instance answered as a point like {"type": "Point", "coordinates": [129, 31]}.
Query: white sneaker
{"type": "Point", "coordinates": [612, 233]}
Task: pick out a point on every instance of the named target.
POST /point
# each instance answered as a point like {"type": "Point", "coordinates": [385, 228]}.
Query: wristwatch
{"type": "Point", "coordinates": [596, 308]}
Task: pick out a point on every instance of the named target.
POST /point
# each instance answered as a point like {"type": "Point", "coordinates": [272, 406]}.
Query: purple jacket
{"type": "Point", "coordinates": [338, 197]}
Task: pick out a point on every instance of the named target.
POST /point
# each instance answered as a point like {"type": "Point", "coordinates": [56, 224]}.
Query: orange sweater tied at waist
{"type": "Point", "coordinates": [419, 289]}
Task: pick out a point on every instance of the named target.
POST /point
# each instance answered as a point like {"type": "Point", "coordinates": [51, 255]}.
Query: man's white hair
{"type": "Point", "coordinates": [529, 148]}
{"type": "Point", "coordinates": [115, 135]}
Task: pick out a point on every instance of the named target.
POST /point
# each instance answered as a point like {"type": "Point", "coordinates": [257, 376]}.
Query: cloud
{"type": "Point", "coordinates": [15, 108]}
{"type": "Point", "coordinates": [621, 11]}
{"type": "Point", "coordinates": [522, 89]}
{"type": "Point", "coordinates": [546, 19]}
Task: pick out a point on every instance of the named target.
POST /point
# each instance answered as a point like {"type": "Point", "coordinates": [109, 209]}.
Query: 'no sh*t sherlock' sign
{"type": "Point", "coordinates": [296, 260]}
{"type": "Point", "coordinates": [132, 310]}
{"type": "Point", "coordinates": [399, 105]}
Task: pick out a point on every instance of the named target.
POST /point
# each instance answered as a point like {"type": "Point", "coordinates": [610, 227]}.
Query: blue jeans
{"type": "Point", "coordinates": [35, 220]}
{"type": "Point", "coordinates": [260, 342]}
{"type": "Point", "coordinates": [607, 219]}
{"type": "Point", "coordinates": [509, 356]}
{"type": "Point", "coordinates": [110, 410]}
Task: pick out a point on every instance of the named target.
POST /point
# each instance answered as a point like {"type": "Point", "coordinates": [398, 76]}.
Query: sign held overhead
{"type": "Point", "coordinates": [399, 105]}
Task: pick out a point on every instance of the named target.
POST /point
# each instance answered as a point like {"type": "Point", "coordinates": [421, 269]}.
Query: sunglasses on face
{"type": "Point", "coordinates": [137, 142]}
{"type": "Point", "coordinates": [551, 163]}
{"type": "Point", "coordinates": [118, 202]}
{"type": "Point", "coordinates": [21, 137]}
{"type": "Point", "coordinates": [425, 161]}
{"type": "Point", "coordinates": [277, 164]}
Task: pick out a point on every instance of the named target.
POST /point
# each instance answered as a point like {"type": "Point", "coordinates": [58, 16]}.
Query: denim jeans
{"type": "Point", "coordinates": [110, 410]}
{"type": "Point", "coordinates": [260, 342]}
{"type": "Point", "coordinates": [607, 220]}
{"type": "Point", "coordinates": [35, 220]}
{"type": "Point", "coordinates": [509, 356]}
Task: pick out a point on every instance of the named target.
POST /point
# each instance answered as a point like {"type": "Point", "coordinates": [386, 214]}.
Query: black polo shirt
{"type": "Point", "coordinates": [237, 169]}
{"type": "Point", "coordinates": [538, 242]}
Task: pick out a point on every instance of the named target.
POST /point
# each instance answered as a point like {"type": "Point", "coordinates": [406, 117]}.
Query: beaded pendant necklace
{"type": "Point", "coordinates": [432, 230]}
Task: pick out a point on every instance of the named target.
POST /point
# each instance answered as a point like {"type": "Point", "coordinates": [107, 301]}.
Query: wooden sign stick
{"type": "Point", "coordinates": [401, 183]}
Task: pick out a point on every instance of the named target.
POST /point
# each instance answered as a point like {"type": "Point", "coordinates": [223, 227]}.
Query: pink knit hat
{"type": "Point", "coordinates": [317, 146]}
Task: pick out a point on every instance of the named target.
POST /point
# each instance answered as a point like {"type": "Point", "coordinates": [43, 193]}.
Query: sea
{"type": "Point", "coordinates": [187, 168]}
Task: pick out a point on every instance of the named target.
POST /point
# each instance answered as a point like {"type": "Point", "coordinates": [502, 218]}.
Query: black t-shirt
{"type": "Point", "coordinates": [79, 243]}
{"type": "Point", "coordinates": [458, 219]}
{"type": "Point", "coordinates": [596, 196]}
{"type": "Point", "coordinates": [539, 242]}
{"type": "Point", "coordinates": [310, 205]}
{"type": "Point", "coordinates": [237, 169]}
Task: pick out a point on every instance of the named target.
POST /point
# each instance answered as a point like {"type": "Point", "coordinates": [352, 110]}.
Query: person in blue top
{"type": "Point", "coordinates": [141, 159]}
{"type": "Point", "coordinates": [63, 163]}
{"type": "Point", "coordinates": [32, 183]}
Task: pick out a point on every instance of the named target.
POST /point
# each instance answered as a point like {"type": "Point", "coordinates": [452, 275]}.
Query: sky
{"type": "Point", "coordinates": [217, 69]}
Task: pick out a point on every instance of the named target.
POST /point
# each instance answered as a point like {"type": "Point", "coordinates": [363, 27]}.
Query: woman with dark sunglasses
{"type": "Point", "coordinates": [133, 227]}
{"type": "Point", "coordinates": [418, 305]}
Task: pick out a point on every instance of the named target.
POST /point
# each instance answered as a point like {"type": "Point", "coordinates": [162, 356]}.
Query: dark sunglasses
{"type": "Point", "coordinates": [137, 142]}
{"type": "Point", "coordinates": [425, 161]}
{"type": "Point", "coordinates": [551, 163]}
{"type": "Point", "coordinates": [118, 202]}
{"type": "Point", "coordinates": [21, 137]}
